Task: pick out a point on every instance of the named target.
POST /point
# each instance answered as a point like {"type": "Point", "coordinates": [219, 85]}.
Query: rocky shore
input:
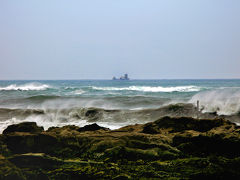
{"type": "Point", "coordinates": [169, 148]}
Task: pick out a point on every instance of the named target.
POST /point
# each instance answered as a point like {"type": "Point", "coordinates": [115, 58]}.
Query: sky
{"type": "Point", "coordinates": [99, 39]}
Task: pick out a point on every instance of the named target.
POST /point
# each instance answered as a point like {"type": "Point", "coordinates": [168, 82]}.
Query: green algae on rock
{"type": "Point", "coordinates": [169, 148]}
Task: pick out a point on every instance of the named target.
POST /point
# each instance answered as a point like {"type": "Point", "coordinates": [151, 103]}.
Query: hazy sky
{"type": "Point", "coordinates": [98, 39]}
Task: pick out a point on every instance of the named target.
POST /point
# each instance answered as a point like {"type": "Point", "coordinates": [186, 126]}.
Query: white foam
{"type": "Point", "coordinates": [56, 119]}
{"type": "Point", "coordinates": [151, 88]}
{"type": "Point", "coordinates": [113, 125]}
{"type": "Point", "coordinates": [50, 120]}
{"type": "Point", "coordinates": [78, 92]}
{"type": "Point", "coordinates": [25, 87]}
{"type": "Point", "coordinates": [223, 101]}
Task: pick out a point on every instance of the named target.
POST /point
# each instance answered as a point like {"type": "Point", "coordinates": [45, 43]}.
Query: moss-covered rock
{"type": "Point", "coordinates": [182, 124]}
{"type": "Point", "coordinates": [169, 148]}
{"type": "Point", "coordinates": [205, 145]}
{"type": "Point", "coordinates": [91, 127]}
{"type": "Point", "coordinates": [34, 160]}
{"type": "Point", "coordinates": [9, 171]}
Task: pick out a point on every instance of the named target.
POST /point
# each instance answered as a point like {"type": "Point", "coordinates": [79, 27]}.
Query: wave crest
{"type": "Point", "coordinates": [78, 92]}
{"type": "Point", "coordinates": [223, 101]}
{"type": "Point", "coordinates": [25, 87]}
{"type": "Point", "coordinates": [150, 88]}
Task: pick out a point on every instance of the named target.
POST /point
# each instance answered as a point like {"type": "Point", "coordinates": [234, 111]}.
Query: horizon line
{"type": "Point", "coordinates": [119, 80]}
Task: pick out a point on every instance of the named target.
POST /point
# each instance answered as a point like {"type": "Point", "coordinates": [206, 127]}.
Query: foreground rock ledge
{"type": "Point", "coordinates": [177, 148]}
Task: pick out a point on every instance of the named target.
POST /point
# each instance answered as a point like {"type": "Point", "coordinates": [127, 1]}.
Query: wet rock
{"type": "Point", "coordinates": [92, 127]}
{"type": "Point", "coordinates": [177, 148]}
{"type": "Point", "coordinates": [30, 127]}
{"type": "Point", "coordinates": [183, 123]}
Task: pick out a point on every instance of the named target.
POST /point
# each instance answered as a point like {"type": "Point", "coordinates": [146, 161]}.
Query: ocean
{"type": "Point", "coordinates": [112, 104]}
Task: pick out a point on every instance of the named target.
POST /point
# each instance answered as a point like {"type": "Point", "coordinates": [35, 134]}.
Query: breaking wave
{"type": "Point", "coordinates": [25, 87]}
{"type": "Point", "coordinates": [150, 88]}
{"type": "Point", "coordinates": [224, 101]}
{"type": "Point", "coordinates": [78, 92]}
{"type": "Point", "coordinates": [111, 118]}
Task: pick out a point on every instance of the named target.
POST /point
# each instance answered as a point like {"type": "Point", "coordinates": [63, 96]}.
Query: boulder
{"type": "Point", "coordinates": [30, 127]}
{"type": "Point", "coordinates": [178, 124]}
{"type": "Point", "coordinates": [171, 147]}
{"type": "Point", "coordinates": [92, 127]}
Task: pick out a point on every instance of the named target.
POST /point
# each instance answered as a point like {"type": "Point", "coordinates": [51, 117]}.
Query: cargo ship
{"type": "Point", "coordinates": [125, 77]}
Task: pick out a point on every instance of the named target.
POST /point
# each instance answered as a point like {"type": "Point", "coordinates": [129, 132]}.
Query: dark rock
{"type": "Point", "coordinates": [9, 171]}
{"type": "Point", "coordinates": [68, 127]}
{"type": "Point", "coordinates": [92, 127]}
{"type": "Point", "coordinates": [52, 128]}
{"type": "Point", "coordinates": [177, 148]}
{"type": "Point", "coordinates": [39, 160]}
{"type": "Point", "coordinates": [182, 123]}
{"type": "Point", "coordinates": [20, 142]}
{"type": "Point", "coordinates": [26, 142]}
{"type": "Point", "coordinates": [205, 145]}
{"type": "Point", "coordinates": [30, 127]}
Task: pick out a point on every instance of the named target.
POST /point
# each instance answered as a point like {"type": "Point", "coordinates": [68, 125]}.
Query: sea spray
{"type": "Point", "coordinates": [224, 101]}
{"type": "Point", "coordinates": [110, 118]}
{"type": "Point", "coordinates": [114, 103]}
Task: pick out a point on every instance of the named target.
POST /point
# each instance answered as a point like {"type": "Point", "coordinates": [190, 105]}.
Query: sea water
{"type": "Point", "coordinates": [111, 103]}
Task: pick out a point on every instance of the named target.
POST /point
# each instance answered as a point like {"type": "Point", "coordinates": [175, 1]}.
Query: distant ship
{"type": "Point", "coordinates": [125, 77]}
